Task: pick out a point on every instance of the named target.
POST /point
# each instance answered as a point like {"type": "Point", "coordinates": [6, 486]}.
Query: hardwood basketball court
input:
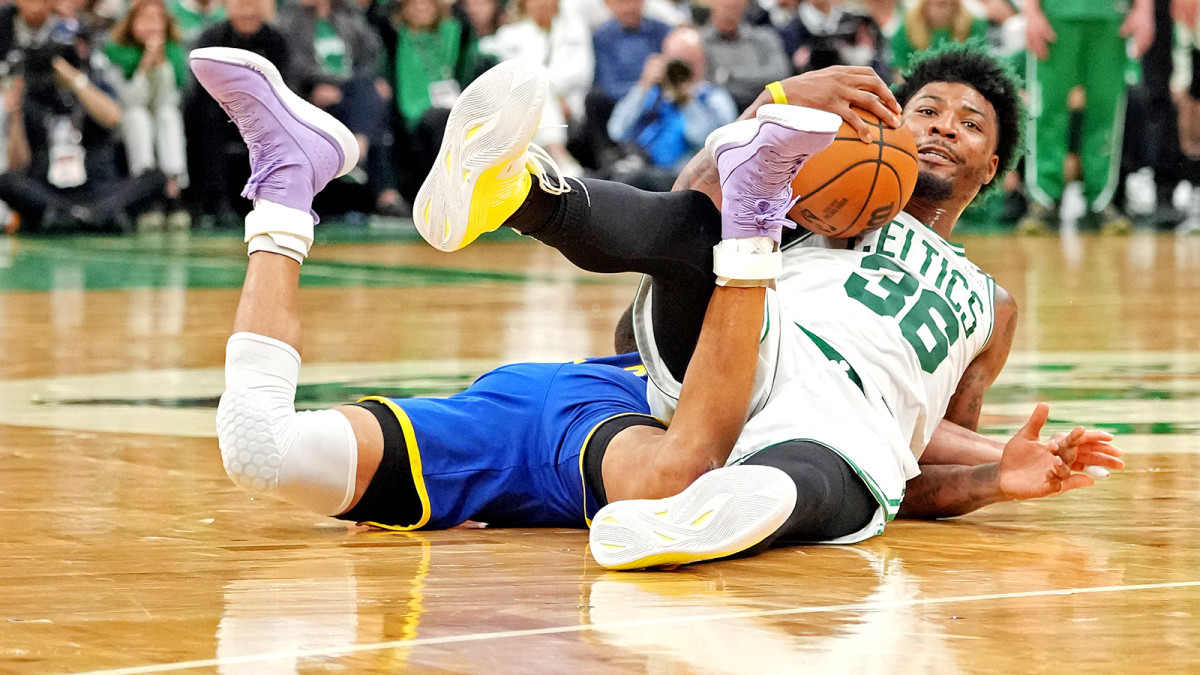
{"type": "Point", "coordinates": [126, 548]}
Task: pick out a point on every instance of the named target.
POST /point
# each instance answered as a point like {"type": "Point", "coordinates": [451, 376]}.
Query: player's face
{"type": "Point", "coordinates": [956, 130]}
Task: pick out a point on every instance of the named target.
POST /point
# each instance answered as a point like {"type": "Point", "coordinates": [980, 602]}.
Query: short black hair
{"type": "Point", "coordinates": [970, 64]}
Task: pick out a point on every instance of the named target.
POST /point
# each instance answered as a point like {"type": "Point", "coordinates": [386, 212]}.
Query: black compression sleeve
{"type": "Point", "coordinates": [609, 227]}
{"type": "Point", "coordinates": [831, 500]}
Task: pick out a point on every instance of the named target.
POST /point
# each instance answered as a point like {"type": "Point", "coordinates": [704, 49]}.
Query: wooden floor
{"type": "Point", "coordinates": [125, 547]}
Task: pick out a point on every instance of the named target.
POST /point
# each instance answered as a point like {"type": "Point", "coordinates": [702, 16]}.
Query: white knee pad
{"type": "Point", "coordinates": [308, 459]}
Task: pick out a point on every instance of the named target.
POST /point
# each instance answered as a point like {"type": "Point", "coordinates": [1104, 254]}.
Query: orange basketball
{"type": "Point", "coordinates": [853, 187]}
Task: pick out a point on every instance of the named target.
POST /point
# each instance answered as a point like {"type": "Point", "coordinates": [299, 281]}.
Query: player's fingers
{"type": "Point", "coordinates": [1066, 453]}
{"type": "Point", "coordinates": [1033, 428]}
{"type": "Point", "coordinates": [1076, 434]}
{"type": "Point", "coordinates": [1062, 470]}
{"type": "Point", "coordinates": [1096, 459]}
{"type": "Point", "coordinates": [860, 127]}
{"type": "Point", "coordinates": [1077, 480]}
{"type": "Point", "coordinates": [1066, 447]}
{"type": "Point", "coordinates": [871, 103]}
{"type": "Point", "coordinates": [1086, 450]}
{"type": "Point", "coordinates": [871, 84]}
{"type": "Point", "coordinates": [1096, 435]}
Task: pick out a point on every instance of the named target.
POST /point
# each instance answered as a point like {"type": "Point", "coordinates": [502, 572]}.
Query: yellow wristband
{"type": "Point", "coordinates": [776, 91]}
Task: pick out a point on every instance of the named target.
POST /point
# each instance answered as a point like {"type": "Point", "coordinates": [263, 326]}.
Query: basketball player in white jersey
{"type": "Point", "coordinates": [873, 359]}
{"type": "Point", "coordinates": [547, 444]}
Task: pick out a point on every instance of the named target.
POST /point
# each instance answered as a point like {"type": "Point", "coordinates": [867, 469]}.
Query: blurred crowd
{"type": "Point", "coordinates": [106, 130]}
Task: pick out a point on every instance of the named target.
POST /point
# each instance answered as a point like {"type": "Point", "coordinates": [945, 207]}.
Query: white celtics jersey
{"type": "Point", "coordinates": [905, 308]}
{"type": "Point", "coordinates": [862, 350]}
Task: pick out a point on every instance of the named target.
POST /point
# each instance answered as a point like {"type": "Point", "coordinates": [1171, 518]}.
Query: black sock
{"type": "Point", "coordinates": [536, 211]}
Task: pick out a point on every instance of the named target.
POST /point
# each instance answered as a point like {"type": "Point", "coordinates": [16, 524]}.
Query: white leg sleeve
{"type": "Point", "coordinates": [309, 458]}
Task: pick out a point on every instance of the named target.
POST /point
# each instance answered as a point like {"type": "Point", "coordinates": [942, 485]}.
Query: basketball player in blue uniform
{"type": "Point", "coordinates": [528, 444]}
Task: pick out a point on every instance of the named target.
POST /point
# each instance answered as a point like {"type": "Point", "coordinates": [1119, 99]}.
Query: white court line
{"type": "Point", "coordinates": [502, 635]}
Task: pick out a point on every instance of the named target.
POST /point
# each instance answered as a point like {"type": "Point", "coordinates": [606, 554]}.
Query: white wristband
{"type": "Point", "coordinates": [747, 262]}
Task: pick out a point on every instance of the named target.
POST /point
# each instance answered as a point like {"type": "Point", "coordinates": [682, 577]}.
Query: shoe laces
{"type": "Point", "coordinates": [768, 195]}
{"type": "Point", "coordinates": [767, 213]}
{"type": "Point", "coordinates": [542, 165]}
{"type": "Point", "coordinates": [772, 172]}
{"type": "Point", "coordinates": [265, 158]}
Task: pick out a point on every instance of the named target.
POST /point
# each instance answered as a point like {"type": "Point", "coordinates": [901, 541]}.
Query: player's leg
{"type": "Point", "coordinates": [832, 502]}
{"type": "Point", "coordinates": [484, 179]}
{"type": "Point", "coordinates": [1050, 81]}
{"type": "Point", "coordinates": [1104, 116]}
{"type": "Point", "coordinates": [725, 510]}
{"type": "Point", "coordinates": [309, 459]}
{"type": "Point", "coordinates": [758, 196]}
{"type": "Point", "coordinates": [791, 493]}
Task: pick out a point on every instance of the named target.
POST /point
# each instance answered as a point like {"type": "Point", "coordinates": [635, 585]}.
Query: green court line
{"type": "Point", "coordinates": [1004, 393]}
{"type": "Point", "coordinates": [91, 263]}
{"type": "Point", "coordinates": [1118, 429]}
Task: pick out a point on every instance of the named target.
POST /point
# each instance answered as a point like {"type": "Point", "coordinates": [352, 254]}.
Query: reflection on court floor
{"type": "Point", "coordinates": [126, 548]}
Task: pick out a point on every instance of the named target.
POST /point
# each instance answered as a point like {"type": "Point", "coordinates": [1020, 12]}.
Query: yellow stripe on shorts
{"type": "Point", "coordinates": [414, 463]}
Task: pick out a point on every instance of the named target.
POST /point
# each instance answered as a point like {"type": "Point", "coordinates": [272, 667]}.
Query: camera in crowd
{"type": "Point", "coordinates": [676, 77]}
{"type": "Point", "coordinates": [35, 65]}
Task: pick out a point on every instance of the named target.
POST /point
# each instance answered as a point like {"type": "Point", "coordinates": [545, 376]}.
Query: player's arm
{"type": "Point", "coordinates": [954, 444]}
{"type": "Point", "coordinates": [967, 401]}
{"type": "Point", "coordinates": [645, 462]}
{"type": "Point", "coordinates": [1029, 467]}
{"type": "Point", "coordinates": [955, 440]}
{"type": "Point", "coordinates": [836, 89]}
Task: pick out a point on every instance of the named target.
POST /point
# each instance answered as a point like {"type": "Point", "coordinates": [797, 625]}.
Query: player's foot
{"type": "Point", "coordinates": [482, 172]}
{"type": "Point", "coordinates": [295, 147]}
{"type": "Point", "coordinates": [757, 160]}
{"type": "Point", "coordinates": [1039, 219]}
{"type": "Point", "coordinates": [724, 512]}
{"type": "Point", "coordinates": [1112, 220]}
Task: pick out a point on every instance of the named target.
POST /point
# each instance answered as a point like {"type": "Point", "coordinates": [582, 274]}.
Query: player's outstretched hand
{"type": "Point", "coordinates": [840, 88]}
{"type": "Point", "coordinates": [1033, 467]}
{"type": "Point", "coordinates": [1093, 448]}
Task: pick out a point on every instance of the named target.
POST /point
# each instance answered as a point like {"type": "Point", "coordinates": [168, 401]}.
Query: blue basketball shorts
{"type": "Point", "coordinates": [508, 451]}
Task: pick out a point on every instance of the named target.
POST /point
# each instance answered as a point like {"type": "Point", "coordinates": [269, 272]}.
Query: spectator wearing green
{"type": "Point", "coordinates": [430, 56]}
{"type": "Point", "coordinates": [931, 23]}
{"type": "Point", "coordinates": [145, 49]}
{"type": "Point", "coordinates": [194, 16]}
{"type": "Point", "coordinates": [434, 57]}
{"type": "Point", "coordinates": [1079, 43]}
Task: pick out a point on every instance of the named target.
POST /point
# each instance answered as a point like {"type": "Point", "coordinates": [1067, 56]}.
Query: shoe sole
{"type": "Point", "coordinates": [304, 112]}
{"type": "Point", "coordinates": [724, 512]}
{"type": "Point", "coordinates": [491, 124]}
{"type": "Point", "coordinates": [792, 117]}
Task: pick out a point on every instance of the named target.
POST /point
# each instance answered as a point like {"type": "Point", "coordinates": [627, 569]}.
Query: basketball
{"type": "Point", "coordinates": [853, 187]}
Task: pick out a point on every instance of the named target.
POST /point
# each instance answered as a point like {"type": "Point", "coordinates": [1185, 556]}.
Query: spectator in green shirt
{"type": "Point", "coordinates": [431, 57]}
{"type": "Point", "coordinates": [194, 16]}
{"type": "Point", "coordinates": [145, 49]}
{"type": "Point", "coordinates": [335, 64]}
{"type": "Point", "coordinates": [931, 23]}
